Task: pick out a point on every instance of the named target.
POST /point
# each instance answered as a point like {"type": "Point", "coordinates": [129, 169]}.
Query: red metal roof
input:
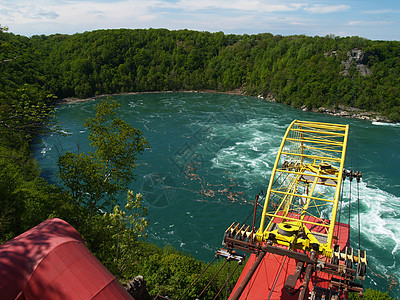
{"type": "Point", "coordinates": [51, 261]}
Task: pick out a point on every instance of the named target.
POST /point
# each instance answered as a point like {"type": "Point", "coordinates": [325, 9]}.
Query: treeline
{"type": "Point", "coordinates": [296, 70]}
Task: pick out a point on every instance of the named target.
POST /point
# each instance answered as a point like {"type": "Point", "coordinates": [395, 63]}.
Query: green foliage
{"type": "Point", "coordinates": [28, 113]}
{"type": "Point", "coordinates": [26, 199]}
{"type": "Point", "coordinates": [296, 70]}
{"type": "Point", "coordinates": [11, 207]}
{"type": "Point", "coordinates": [82, 175]}
{"type": "Point", "coordinates": [95, 178]}
{"type": "Point", "coordinates": [170, 273]}
{"type": "Point", "coordinates": [116, 142]}
{"type": "Point", "coordinates": [115, 237]}
{"type": "Point", "coordinates": [371, 294]}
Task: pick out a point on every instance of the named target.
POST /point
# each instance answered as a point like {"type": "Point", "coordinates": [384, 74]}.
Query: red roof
{"type": "Point", "coordinates": [51, 261]}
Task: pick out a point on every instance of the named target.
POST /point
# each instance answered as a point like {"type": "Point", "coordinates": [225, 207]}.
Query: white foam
{"type": "Point", "coordinates": [253, 154]}
{"type": "Point", "coordinates": [243, 163]}
{"type": "Point", "coordinates": [379, 226]}
{"type": "Point", "coordinates": [386, 124]}
{"type": "Point", "coordinates": [379, 222]}
{"type": "Point", "coordinates": [44, 150]}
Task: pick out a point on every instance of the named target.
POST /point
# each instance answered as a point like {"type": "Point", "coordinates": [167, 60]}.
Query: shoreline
{"type": "Point", "coordinates": [77, 100]}
{"type": "Point", "coordinates": [342, 111]}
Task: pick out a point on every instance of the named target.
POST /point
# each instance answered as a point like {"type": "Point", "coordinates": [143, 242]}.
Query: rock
{"type": "Point", "coordinates": [357, 57]}
{"type": "Point", "coordinates": [322, 109]}
{"type": "Point", "coordinates": [270, 97]}
{"type": "Point", "coordinates": [364, 71]}
{"type": "Point", "coordinates": [137, 288]}
{"type": "Point", "coordinates": [345, 114]}
{"type": "Point", "coordinates": [330, 54]}
{"type": "Point", "coordinates": [382, 119]}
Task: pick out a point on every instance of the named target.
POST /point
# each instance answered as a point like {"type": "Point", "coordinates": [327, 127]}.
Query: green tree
{"type": "Point", "coordinates": [2, 29]}
{"type": "Point", "coordinates": [118, 246]}
{"type": "Point", "coordinates": [11, 205]}
{"type": "Point", "coordinates": [171, 272]}
{"type": "Point", "coordinates": [371, 294]}
{"type": "Point", "coordinates": [28, 114]}
{"type": "Point", "coordinates": [95, 178]}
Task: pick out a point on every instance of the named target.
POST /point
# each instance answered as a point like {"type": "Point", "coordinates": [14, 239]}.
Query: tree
{"type": "Point", "coordinates": [95, 178]}
{"type": "Point", "coordinates": [371, 294]}
{"type": "Point", "coordinates": [118, 246]}
{"type": "Point", "coordinates": [3, 45]}
{"type": "Point", "coordinates": [29, 114]}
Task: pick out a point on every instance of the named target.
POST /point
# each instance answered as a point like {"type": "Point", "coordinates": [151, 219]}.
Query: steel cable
{"type": "Point", "coordinates": [227, 281]}
{"type": "Point", "coordinates": [205, 269]}
{"type": "Point", "coordinates": [212, 279]}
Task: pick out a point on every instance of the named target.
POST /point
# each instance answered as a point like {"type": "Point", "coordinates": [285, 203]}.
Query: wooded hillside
{"type": "Point", "coordinates": [296, 70]}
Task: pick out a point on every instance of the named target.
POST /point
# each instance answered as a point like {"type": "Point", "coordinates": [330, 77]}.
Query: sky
{"type": "Point", "coordinates": [371, 19]}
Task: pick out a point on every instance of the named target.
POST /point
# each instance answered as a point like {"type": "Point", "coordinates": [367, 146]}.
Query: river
{"type": "Point", "coordinates": [212, 153]}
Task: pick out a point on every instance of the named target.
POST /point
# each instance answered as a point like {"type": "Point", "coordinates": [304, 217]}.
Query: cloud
{"type": "Point", "coordinates": [96, 11]}
{"type": "Point", "coordinates": [382, 11]}
{"type": "Point", "coordinates": [82, 12]}
{"type": "Point", "coordinates": [175, 14]}
{"type": "Point", "coordinates": [26, 11]}
{"type": "Point", "coordinates": [39, 13]}
{"type": "Point", "coordinates": [326, 9]}
{"type": "Point", "coordinates": [231, 5]}
{"type": "Point", "coordinates": [368, 23]}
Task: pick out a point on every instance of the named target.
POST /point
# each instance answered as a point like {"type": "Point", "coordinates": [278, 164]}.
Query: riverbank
{"type": "Point", "coordinates": [355, 113]}
{"type": "Point", "coordinates": [341, 111]}
{"type": "Point", "coordinates": [76, 100]}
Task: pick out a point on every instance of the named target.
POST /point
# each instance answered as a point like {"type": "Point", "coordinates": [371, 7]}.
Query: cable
{"type": "Point", "coordinates": [276, 279]}
{"type": "Point", "coordinates": [212, 279]}
{"type": "Point", "coordinates": [351, 179]}
{"type": "Point", "coordinates": [358, 178]}
{"type": "Point", "coordinates": [358, 215]}
{"type": "Point", "coordinates": [340, 208]}
{"type": "Point", "coordinates": [227, 282]}
{"type": "Point", "coordinates": [205, 269]}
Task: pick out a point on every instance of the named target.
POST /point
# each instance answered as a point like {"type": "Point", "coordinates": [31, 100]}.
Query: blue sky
{"type": "Point", "coordinates": [372, 19]}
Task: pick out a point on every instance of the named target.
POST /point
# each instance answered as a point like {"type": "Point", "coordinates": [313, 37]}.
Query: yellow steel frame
{"type": "Point", "coordinates": [305, 181]}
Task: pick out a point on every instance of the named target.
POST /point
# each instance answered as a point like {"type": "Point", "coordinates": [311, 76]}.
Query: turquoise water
{"type": "Point", "coordinates": [212, 153]}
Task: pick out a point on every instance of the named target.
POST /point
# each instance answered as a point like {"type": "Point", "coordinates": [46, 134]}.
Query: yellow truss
{"type": "Point", "coordinates": [304, 188]}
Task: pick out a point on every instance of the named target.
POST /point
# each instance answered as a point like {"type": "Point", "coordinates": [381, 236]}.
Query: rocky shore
{"type": "Point", "coordinates": [342, 111]}
{"type": "Point", "coordinates": [76, 100]}
{"type": "Point", "coordinates": [351, 112]}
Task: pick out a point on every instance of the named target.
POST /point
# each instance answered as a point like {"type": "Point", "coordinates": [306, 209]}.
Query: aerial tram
{"type": "Point", "coordinates": [299, 250]}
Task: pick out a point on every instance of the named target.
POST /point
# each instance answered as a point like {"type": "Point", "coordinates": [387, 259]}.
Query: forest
{"type": "Point", "coordinates": [37, 72]}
